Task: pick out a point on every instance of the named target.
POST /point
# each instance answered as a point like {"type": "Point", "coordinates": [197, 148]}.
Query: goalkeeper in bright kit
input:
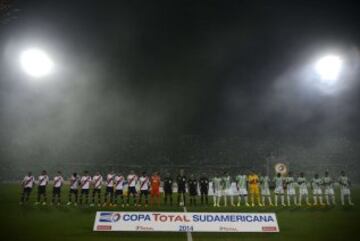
{"type": "Point", "coordinates": [254, 189]}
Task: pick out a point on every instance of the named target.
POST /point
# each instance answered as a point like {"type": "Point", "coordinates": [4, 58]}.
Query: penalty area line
{"type": "Point", "coordinates": [188, 234]}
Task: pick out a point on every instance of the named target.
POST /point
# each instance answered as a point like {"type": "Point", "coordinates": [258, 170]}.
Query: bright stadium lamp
{"type": "Point", "coordinates": [36, 63]}
{"type": "Point", "coordinates": [328, 68]}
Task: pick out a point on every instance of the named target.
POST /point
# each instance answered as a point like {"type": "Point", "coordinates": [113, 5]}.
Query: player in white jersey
{"type": "Point", "coordinates": [85, 182]}
{"type": "Point", "coordinates": [241, 185]}
{"type": "Point", "coordinates": [27, 185]}
{"type": "Point", "coordinates": [56, 194]}
{"type": "Point", "coordinates": [132, 180]}
{"type": "Point", "coordinates": [345, 184]}
{"type": "Point", "coordinates": [74, 186]}
{"type": "Point", "coordinates": [119, 189]}
{"type": "Point", "coordinates": [316, 183]}
{"type": "Point", "coordinates": [97, 181]}
{"type": "Point", "coordinates": [226, 189]}
{"type": "Point", "coordinates": [303, 189]}
{"type": "Point", "coordinates": [216, 185]}
{"type": "Point", "coordinates": [43, 181]}
{"type": "Point", "coordinates": [290, 189]}
{"type": "Point", "coordinates": [144, 183]}
{"type": "Point", "coordinates": [329, 193]}
{"type": "Point", "coordinates": [109, 195]}
{"type": "Point", "coordinates": [265, 190]}
{"type": "Point", "coordinates": [279, 189]}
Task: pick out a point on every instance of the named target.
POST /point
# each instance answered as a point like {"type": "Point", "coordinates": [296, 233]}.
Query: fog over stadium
{"type": "Point", "coordinates": [194, 84]}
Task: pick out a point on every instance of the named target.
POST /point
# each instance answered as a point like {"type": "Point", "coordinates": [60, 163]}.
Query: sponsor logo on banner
{"type": "Point", "coordinates": [186, 222]}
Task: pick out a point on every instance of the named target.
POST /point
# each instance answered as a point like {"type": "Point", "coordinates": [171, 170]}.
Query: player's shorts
{"type": "Point", "coordinates": [56, 190]}
{"type": "Point", "coordinates": [132, 190]}
{"type": "Point", "coordinates": [303, 191]}
{"type": "Point", "coordinates": [109, 189]}
{"type": "Point", "coordinates": [144, 192]}
{"type": "Point", "coordinates": [27, 190]}
{"type": "Point", "coordinates": [228, 192]}
{"type": "Point", "coordinates": [254, 189]}
{"type": "Point", "coordinates": [181, 189]}
{"type": "Point", "coordinates": [290, 191]}
{"type": "Point", "coordinates": [317, 191]}
{"type": "Point", "coordinates": [265, 192]}
{"type": "Point", "coordinates": [96, 190]}
{"type": "Point", "coordinates": [74, 191]}
{"type": "Point", "coordinates": [168, 190]}
{"type": "Point", "coordinates": [42, 189]}
{"type": "Point", "coordinates": [329, 191]}
{"type": "Point", "coordinates": [155, 192]}
{"type": "Point", "coordinates": [243, 192]}
{"type": "Point", "coordinates": [85, 191]}
{"type": "Point", "coordinates": [118, 192]}
{"type": "Point", "coordinates": [218, 193]}
{"type": "Point", "coordinates": [279, 190]}
{"type": "Point", "coordinates": [345, 191]}
{"type": "Point", "coordinates": [192, 192]}
{"type": "Point", "coordinates": [204, 190]}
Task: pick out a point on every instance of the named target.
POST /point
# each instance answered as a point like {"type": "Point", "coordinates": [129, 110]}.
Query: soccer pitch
{"type": "Point", "coordinates": [27, 223]}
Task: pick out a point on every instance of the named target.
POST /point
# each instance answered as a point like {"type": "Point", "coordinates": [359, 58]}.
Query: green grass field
{"type": "Point", "coordinates": [27, 223]}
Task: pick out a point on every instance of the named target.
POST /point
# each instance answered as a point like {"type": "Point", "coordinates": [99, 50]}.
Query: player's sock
{"type": "Point", "coordinates": [321, 200]}
{"type": "Point", "coordinates": [333, 200]}
{"type": "Point", "coordinates": [270, 201]}
{"type": "Point", "coordinates": [263, 199]}
{"type": "Point", "coordinates": [288, 200]}
{"type": "Point", "coordinates": [246, 200]}
{"type": "Point", "coordinates": [349, 200]}
{"type": "Point", "coordinates": [315, 200]}
{"type": "Point", "coordinates": [276, 200]}
{"type": "Point", "coordinates": [342, 199]}
{"type": "Point", "coordinates": [282, 200]}
{"type": "Point", "coordinates": [232, 200]}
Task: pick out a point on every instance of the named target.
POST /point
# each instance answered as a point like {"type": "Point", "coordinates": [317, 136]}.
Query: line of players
{"type": "Point", "coordinates": [258, 188]}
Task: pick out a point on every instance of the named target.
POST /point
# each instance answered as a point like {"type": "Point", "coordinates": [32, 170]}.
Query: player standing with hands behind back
{"type": "Point", "coordinates": [27, 185]}
{"type": "Point", "coordinates": [43, 181]}
{"type": "Point", "coordinates": [155, 189]}
{"type": "Point", "coordinates": [58, 182]}
{"type": "Point", "coordinates": [181, 183]}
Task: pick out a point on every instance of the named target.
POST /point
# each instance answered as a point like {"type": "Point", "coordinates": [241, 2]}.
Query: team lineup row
{"type": "Point", "coordinates": [137, 189]}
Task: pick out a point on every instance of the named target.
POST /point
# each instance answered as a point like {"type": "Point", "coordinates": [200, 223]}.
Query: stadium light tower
{"type": "Point", "coordinates": [36, 63]}
{"type": "Point", "coordinates": [328, 69]}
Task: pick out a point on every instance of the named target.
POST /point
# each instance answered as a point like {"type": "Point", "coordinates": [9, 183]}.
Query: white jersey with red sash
{"type": "Point", "coordinates": [119, 182]}
{"type": "Point", "coordinates": [74, 183]}
{"type": "Point", "coordinates": [97, 181]}
{"type": "Point", "coordinates": [110, 180]}
{"type": "Point", "coordinates": [85, 182]}
{"type": "Point", "coordinates": [43, 180]}
{"type": "Point", "coordinates": [58, 181]}
{"type": "Point", "coordinates": [28, 181]}
{"type": "Point", "coordinates": [144, 183]}
{"type": "Point", "coordinates": [132, 180]}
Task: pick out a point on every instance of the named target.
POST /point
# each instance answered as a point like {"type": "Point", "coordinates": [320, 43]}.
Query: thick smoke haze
{"type": "Point", "coordinates": [180, 83]}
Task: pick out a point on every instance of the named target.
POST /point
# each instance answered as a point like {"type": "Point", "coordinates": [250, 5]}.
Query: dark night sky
{"type": "Point", "coordinates": [180, 67]}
